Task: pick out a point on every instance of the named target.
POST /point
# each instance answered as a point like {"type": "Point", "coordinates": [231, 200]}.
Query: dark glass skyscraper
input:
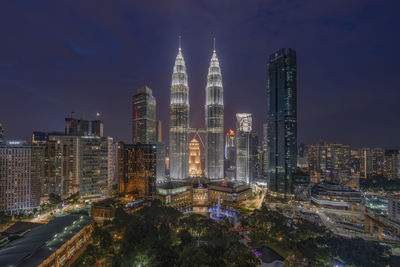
{"type": "Point", "coordinates": [281, 120]}
{"type": "Point", "coordinates": [144, 116]}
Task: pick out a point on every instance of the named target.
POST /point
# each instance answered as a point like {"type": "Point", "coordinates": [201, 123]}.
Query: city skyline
{"type": "Point", "coordinates": [98, 67]}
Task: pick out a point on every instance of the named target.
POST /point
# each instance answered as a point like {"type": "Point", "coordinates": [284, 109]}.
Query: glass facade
{"type": "Point", "coordinates": [243, 147]}
{"type": "Point", "coordinates": [179, 121]}
{"type": "Point", "coordinates": [144, 122]}
{"type": "Point", "coordinates": [281, 120]}
{"type": "Point", "coordinates": [93, 166]}
{"type": "Point", "coordinates": [214, 121]}
{"type": "Point", "coordinates": [66, 156]}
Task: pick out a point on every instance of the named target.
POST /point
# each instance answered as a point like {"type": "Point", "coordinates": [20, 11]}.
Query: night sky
{"type": "Point", "coordinates": [91, 56]}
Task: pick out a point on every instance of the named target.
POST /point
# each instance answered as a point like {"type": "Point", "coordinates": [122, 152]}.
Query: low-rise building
{"type": "Point", "coordinates": [335, 196]}
{"type": "Point", "coordinates": [176, 194]}
{"type": "Point", "coordinates": [228, 192]}
{"type": "Point", "coordinates": [51, 244]}
{"type": "Point", "coordinates": [103, 210]}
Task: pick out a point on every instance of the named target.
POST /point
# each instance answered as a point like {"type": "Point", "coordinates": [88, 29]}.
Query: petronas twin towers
{"type": "Point", "coordinates": [179, 121]}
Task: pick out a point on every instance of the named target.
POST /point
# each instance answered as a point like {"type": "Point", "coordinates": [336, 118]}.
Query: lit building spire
{"type": "Point", "coordinates": [179, 119]}
{"type": "Point", "coordinates": [214, 117]}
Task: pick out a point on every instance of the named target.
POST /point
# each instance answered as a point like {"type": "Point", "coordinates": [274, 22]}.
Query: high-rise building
{"type": "Point", "coordinates": [243, 147]}
{"type": "Point", "coordinates": [159, 131]}
{"type": "Point", "coordinates": [97, 128]}
{"type": "Point", "coordinates": [265, 149]}
{"type": "Point", "coordinates": [392, 164]}
{"type": "Point", "coordinates": [255, 166]}
{"type": "Point", "coordinates": [372, 162]}
{"type": "Point", "coordinates": [67, 162]}
{"type": "Point", "coordinates": [94, 166]}
{"type": "Point", "coordinates": [160, 147]}
{"type": "Point", "coordinates": [194, 159]}
{"type": "Point", "coordinates": [139, 170]}
{"type": "Point", "coordinates": [47, 157]}
{"type": "Point", "coordinates": [230, 154]}
{"type": "Point", "coordinates": [394, 208]}
{"type": "Point", "coordinates": [144, 116]}
{"type": "Point", "coordinates": [214, 121]}
{"type": "Point", "coordinates": [1, 133]}
{"type": "Point", "coordinates": [179, 120]}
{"type": "Point", "coordinates": [325, 158]}
{"type": "Point", "coordinates": [281, 120]}
{"type": "Point", "coordinates": [76, 127]}
{"type": "Point", "coordinates": [20, 171]}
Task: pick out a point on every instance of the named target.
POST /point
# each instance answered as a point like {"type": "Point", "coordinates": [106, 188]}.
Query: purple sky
{"type": "Point", "coordinates": [91, 56]}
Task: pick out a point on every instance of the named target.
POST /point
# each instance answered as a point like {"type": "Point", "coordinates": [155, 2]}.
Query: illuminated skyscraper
{"type": "Point", "coordinates": [214, 121]}
{"type": "Point", "coordinates": [230, 151]}
{"type": "Point", "coordinates": [179, 120]}
{"type": "Point", "coordinates": [144, 116]}
{"type": "Point", "coordinates": [281, 120]}
{"type": "Point", "coordinates": [194, 159]}
{"type": "Point", "coordinates": [243, 147]}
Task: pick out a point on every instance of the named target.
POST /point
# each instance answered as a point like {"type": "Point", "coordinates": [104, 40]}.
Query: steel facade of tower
{"type": "Point", "coordinates": [214, 121]}
{"type": "Point", "coordinates": [281, 120]}
{"type": "Point", "coordinates": [179, 120]}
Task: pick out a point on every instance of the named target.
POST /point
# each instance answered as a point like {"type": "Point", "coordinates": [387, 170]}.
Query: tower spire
{"type": "Point", "coordinates": [214, 45]}
{"type": "Point", "coordinates": [180, 43]}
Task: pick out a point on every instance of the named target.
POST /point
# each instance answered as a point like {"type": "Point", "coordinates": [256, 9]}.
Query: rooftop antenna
{"type": "Point", "coordinates": [214, 45]}
{"type": "Point", "coordinates": [180, 43]}
{"type": "Point", "coordinates": [72, 114]}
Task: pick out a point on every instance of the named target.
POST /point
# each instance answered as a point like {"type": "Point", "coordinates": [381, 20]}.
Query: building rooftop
{"type": "Point", "coordinates": [229, 184]}
{"type": "Point", "coordinates": [41, 242]}
{"type": "Point", "coordinates": [335, 187]}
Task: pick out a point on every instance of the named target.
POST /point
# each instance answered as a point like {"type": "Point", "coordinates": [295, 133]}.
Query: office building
{"type": "Point", "coordinates": [179, 120]}
{"type": "Point", "coordinates": [1, 133]}
{"type": "Point", "coordinates": [243, 147]}
{"type": "Point", "coordinates": [94, 166]}
{"type": "Point", "coordinates": [20, 171]}
{"type": "Point", "coordinates": [214, 121]}
{"type": "Point", "coordinates": [394, 208]}
{"type": "Point", "coordinates": [67, 162]}
{"type": "Point", "coordinates": [160, 147]}
{"type": "Point", "coordinates": [144, 116]}
{"type": "Point", "coordinates": [371, 162]}
{"type": "Point", "coordinates": [139, 170]}
{"type": "Point", "coordinates": [265, 149]}
{"type": "Point", "coordinates": [325, 158]}
{"type": "Point", "coordinates": [281, 121]}
{"type": "Point", "coordinates": [194, 159]}
{"type": "Point", "coordinates": [392, 164]}
{"type": "Point", "coordinates": [97, 128]}
{"type": "Point", "coordinates": [159, 131]}
{"type": "Point", "coordinates": [77, 127]}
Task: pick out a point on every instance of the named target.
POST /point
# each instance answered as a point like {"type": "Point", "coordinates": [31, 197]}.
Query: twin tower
{"type": "Point", "coordinates": [179, 121]}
